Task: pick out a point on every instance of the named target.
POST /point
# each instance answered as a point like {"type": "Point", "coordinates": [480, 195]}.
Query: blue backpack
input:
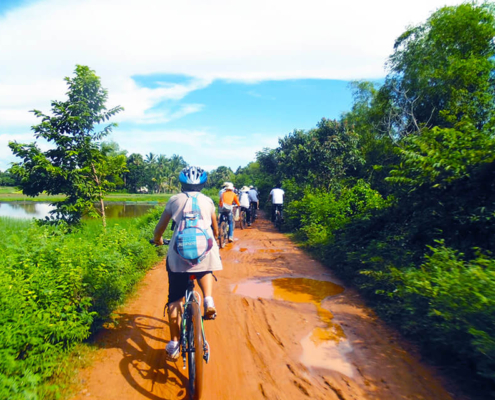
{"type": "Point", "coordinates": [192, 242]}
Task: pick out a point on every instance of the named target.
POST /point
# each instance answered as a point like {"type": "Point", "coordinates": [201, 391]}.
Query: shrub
{"type": "Point", "coordinates": [56, 288]}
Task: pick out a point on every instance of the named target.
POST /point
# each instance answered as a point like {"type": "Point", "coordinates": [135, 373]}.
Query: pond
{"type": "Point", "coordinates": [32, 209]}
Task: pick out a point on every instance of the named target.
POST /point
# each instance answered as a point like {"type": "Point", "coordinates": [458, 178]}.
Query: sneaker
{"type": "Point", "coordinates": [210, 310]}
{"type": "Point", "coordinates": [172, 351]}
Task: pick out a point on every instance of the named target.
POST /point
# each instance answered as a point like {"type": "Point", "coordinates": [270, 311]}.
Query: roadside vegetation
{"type": "Point", "coordinates": [398, 195]}
{"type": "Point", "coordinates": [57, 287]}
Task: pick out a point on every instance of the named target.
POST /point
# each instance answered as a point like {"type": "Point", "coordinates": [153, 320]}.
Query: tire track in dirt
{"type": "Point", "coordinates": [256, 349]}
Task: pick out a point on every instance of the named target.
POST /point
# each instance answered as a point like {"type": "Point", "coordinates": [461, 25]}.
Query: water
{"type": "Point", "coordinates": [28, 210]}
{"type": "Point", "coordinates": [326, 345]}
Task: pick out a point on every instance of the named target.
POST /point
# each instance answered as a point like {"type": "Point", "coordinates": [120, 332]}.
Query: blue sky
{"type": "Point", "coordinates": [250, 115]}
{"type": "Point", "coordinates": [213, 81]}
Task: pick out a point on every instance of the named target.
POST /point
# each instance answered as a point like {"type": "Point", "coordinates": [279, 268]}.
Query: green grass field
{"type": "Point", "coordinates": [11, 194]}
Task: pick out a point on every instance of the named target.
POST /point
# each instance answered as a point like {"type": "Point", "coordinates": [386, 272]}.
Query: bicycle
{"type": "Point", "coordinates": [243, 219]}
{"type": "Point", "coordinates": [193, 343]}
{"type": "Point", "coordinates": [278, 218]}
{"type": "Point", "coordinates": [254, 212]}
{"type": "Point", "coordinates": [223, 230]}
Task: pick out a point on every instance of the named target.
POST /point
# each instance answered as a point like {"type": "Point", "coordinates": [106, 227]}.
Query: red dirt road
{"type": "Point", "coordinates": [290, 346]}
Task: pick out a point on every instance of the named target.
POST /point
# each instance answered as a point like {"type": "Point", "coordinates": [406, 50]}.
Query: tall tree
{"type": "Point", "coordinates": [74, 166]}
{"type": "Point", "coordinates": [441, 72]}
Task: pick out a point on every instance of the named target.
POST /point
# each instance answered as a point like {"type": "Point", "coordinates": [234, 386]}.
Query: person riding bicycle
{"type": "Point", "coordinates": [193, 180]}
{"type": "Point", "coordinates": [277, 198]}
{"type": "Point", "coordinates": [226, 206]}
{"type": "Point", "coordinates": [245, 203]}
{"type": "Point", "coordinates": [254, 203]}
{"type": "Point", "coordinates": [223, 188]}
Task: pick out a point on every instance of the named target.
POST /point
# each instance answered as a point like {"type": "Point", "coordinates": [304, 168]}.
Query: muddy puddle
{"type": "Point", "coordinates": [325, 346]}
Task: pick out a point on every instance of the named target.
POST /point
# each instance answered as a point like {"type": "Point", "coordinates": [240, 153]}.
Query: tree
{"type": "Point", "coordinates": [219, 176]}
{"type": "Point", "coordinates": [441, 72]}
{"type": "Point", "coordinates": [74, 165]}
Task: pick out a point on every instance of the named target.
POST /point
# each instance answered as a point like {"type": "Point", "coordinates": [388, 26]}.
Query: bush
{"type": "Point", "coordinates": [448, 301]}
{"type": "Point", "coordinates": [56, 288]}
{"type": "Point", "coordinates": [320, 213]}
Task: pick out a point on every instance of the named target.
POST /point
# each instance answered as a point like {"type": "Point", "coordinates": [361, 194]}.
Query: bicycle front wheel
{"type": "Point", "coordinates": [195, 352]}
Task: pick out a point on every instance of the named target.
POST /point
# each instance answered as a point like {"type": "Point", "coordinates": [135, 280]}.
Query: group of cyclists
{"type": "Point", "coordinates": [230, 198]}
{"type": "Point", "coordinates": [193, 247]}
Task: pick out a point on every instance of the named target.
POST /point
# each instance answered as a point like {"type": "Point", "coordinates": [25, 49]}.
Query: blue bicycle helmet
{"type": "Point", "coordinates": [193, 178]}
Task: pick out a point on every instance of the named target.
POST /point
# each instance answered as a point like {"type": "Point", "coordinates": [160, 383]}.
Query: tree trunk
{"type": "Point", "coordinates": [103, 217]}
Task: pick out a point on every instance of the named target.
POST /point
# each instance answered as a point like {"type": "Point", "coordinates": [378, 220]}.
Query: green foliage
{"type": "Point", "coordinates": [440, 156]}
{"type": "Point", "coordinates": [75, 166]}
{"type": "Point", "coordinates": [321, 157]}
{"type": "Point", "coordinates": [442, 70]}
{"type": "Point", "coordinates": [320, 213]}
{"type": "Point", "coordinates": [218, 176]}
{"type": "Point", "coordinates": [8, 179]}
{"type": "Point", "coordinates": [56, 288]}
{"type": "Point", "coordinates": [449, 300]}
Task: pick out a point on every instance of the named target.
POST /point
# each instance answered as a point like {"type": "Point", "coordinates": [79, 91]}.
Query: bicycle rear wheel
{"type": "Point", "coordinates": [223, 237]}
{"type": "Point", "coordinates": [278, 220]}
{"type": "Point", "coordinates": [195, 352]}
{"type": "Point", "coordinates": [243, 220]}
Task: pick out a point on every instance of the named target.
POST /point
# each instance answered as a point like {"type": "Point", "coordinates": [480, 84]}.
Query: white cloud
{"type": "Point", "coordinates": [248, 41]}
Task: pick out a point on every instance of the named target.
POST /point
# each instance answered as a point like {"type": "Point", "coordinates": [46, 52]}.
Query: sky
{"type": "Point", "coordinates": [212, 80]}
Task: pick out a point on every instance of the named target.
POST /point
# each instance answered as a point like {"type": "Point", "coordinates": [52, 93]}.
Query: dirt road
{"type": "Point", "coordinates": [277, 336]}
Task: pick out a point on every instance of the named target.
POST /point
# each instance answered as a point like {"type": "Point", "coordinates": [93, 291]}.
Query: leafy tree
{"type": "Point", "coordinates": [441, 72]}
{"type": "Point", "coordinates": [220, 175]}
{"type": "Point", "coordinates": [321, 157]}
{"type": "Point", "coordinates": [74, 165]}
{"type": "Point", "coordinates": [135, 176]}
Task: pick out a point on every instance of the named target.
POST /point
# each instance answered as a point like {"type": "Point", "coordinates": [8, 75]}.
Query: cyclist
{"type": "Point", "coordinates": [226, 206]}
{"type": "Point", "coordinates": [244, 200]}
{"type": "Point", "coordinates": [277, 199]}
{"type": "Point", "coordinates": [254, 203]}
{"type": "Point", "coordinates": [193, 180]}
{"type": "Point", "coordinates": [223, 188]}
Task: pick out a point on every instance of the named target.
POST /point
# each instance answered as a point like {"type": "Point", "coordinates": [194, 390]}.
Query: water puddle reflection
{"type": "Point", "coordinates": [326, 345]}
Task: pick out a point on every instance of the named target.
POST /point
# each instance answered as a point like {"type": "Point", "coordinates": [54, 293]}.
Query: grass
{"type": "Point", "coordinates": [8, 193]}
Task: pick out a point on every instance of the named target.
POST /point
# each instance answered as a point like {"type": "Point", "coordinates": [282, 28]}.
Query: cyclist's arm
{"type": "Point", "coordinates": [236, 200]}
{"type": "Point", "coordinates": [214, 223]}
{"type": "Point", "coordinates": [161, 226]}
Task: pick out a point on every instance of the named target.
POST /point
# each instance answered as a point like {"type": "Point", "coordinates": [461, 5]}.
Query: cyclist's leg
{"type": "Point", "coordinates": [281, 209]}
{"type": "Point", "coordinates": [248, 215]}
{"type": "Point", "coordinates": [177, 285]}
{"type": "Point", "coordinates": [274, 207]}
{"type": "Point", "coordinates": [231, 226]}
{"type": "Point", "coordinates": [205, 281]}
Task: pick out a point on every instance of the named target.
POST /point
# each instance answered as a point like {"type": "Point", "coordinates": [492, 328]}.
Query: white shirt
{"type": "Point", "coordinates": [277, 196]}
{"type": "Point", "coordinates": [244, 199]}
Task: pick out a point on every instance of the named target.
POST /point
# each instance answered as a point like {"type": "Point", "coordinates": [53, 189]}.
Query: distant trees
{"type": "Point", "coordinates": [8, 179]}
{"type": "Point", "coordinates": [158, 173]}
